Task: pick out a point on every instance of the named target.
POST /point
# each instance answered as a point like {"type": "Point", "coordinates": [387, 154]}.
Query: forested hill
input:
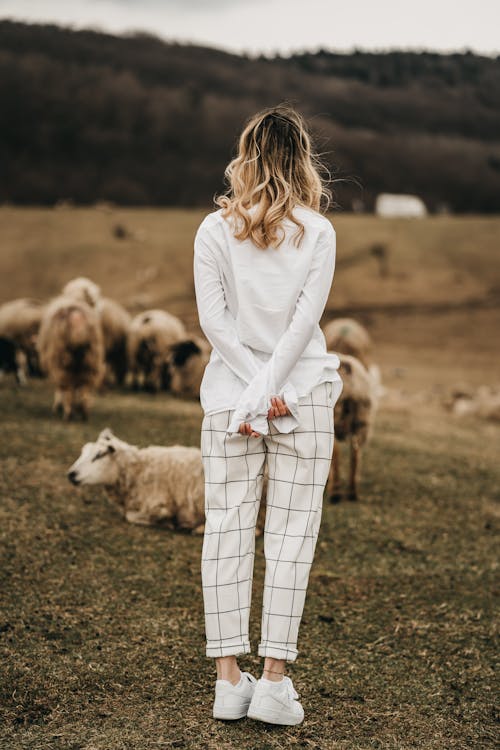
{"type": "Point", "coordinates": [87, 116]}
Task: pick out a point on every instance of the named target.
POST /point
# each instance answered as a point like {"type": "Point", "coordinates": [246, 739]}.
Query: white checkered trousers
{"type": "Point", "coordinates": [298, 465]}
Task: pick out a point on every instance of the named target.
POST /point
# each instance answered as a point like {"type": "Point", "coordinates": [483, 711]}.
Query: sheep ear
{"type": "Point", "coordinates": [106, 434]}
{"type": "Point", "coordinates": [182, 350]}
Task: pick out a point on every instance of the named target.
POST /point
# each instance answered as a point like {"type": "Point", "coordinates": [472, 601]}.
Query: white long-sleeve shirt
{"type": "Point", "coordinates": [260, 311]}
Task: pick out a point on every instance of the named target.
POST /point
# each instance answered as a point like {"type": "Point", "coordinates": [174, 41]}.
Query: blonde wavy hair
{"type": "Point", "coordinates": [275, 169]}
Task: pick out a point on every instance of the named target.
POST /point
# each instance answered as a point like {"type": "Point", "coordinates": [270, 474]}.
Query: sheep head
{"type": "Point", "coordinates": [98, 462]}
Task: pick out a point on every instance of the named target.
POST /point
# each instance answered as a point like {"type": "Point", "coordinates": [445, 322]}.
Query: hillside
{"type": "Point", "coordinates": [435, 303]}
{"type": "Point", "coordinates": [102, 631]}
{"type": "Point", "coordinates": [88, 116]}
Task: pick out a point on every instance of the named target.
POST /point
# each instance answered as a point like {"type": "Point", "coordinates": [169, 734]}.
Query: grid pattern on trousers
{"type": "Point", "coordinates": [298, 465]}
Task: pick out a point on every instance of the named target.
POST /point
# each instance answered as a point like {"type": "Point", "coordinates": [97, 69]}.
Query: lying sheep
{"type": "Point", "coordinates": [83, 289]}
{"type": "Point", "coordinates": [149, 485]}
{"type": "Point", "coordinates": [347, 336]}
{"type": "Point", "coordinates": [483, 402]}
{"type": "Point", "coordinates": [354, 414]}
{"type": "Point", "coordinates": [19, 322]}
{"type": "Point", "coordinates": [185, 366]}
{"type": "Point", "coordinates": [71, 350]}
{"type": "Point", "coordinates": [151, 336]}
{"type": "Point", "coordinates": [153, 485]}
{"type": "Point", "coordinates": [115, 322]}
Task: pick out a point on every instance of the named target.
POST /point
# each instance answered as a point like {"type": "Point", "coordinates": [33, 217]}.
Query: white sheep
{"type": "Point", "coordinates": [149, 485]}
{"type": "Point", "coordinates": [483, 402]}
{"type": "Point", "coordinates": [151, 336]}
{"type": "Point", "coordinates": [83, 289]}
{"type": "Point", "coordinates": [354, 414]}
{"type": "Point", "coordinates": [71, 351]}
{"type": "Point", "coordinates": [154, 485]}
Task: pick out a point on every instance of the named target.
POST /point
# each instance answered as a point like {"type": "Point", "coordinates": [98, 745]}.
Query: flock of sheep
{"type": "Point", "coordinates": [83, 341]}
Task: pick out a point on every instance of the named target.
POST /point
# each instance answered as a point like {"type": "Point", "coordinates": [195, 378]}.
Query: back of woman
{"type": "Point", "coordinates": [263, 268]}
{"type": "Point", "coordinates": [262, 287]}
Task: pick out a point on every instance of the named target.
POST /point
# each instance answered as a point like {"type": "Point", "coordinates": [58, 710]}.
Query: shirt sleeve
{"type": "Point", "coordinates": [272, 377]}
{"type": "Point", "coordinates": [216, 320]}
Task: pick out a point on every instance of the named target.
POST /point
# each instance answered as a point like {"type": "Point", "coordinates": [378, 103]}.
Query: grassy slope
{"type": "Point", "coordinates": [439, 258]}
{"type": "Point", "coordinates": [101, 634]}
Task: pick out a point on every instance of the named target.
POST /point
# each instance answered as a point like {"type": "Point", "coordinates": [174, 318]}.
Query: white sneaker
{"type": "Point", "coordinates": [276, 702]}
{"type": "Point", "coordinates": [232, 701]}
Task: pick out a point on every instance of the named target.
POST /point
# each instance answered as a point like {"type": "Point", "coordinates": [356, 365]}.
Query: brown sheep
{"type": "Point", "coordinates": [354, 414]}
{"type": "Point", "coordinates": [186, 365]}
{"type": "Point", "coordinates": [115, 322]}
{"type": "Point", "coordinates": [71, 349]}
{"type": "Point", "coordinates": [151, 336]}
{"type": "Point", "coordinates": [347, 336]}
{"type": "Point", "coordinates": [19, 322]}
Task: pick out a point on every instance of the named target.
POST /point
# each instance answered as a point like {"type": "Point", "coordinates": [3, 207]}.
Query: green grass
{"type": "Point", "coordinates": [101, 629]}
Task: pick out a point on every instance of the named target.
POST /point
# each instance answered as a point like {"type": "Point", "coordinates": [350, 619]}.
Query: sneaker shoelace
{"type": "Point", "coordinates": [249, 676]}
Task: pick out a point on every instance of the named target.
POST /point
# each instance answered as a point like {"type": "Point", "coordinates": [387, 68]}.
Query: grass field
{"type": "Point", "coordinates": [101, 627]}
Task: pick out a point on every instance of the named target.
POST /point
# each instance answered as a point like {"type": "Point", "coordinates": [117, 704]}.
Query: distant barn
{"type": "Point", "coordinates": [391, 205]}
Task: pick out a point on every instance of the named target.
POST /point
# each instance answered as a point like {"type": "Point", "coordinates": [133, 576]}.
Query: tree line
{"type": "Point", "coordinates": [88, 117]}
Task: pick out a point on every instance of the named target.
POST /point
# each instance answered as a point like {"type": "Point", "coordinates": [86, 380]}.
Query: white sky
{"type": "Point", "coordinates": [270, 26]}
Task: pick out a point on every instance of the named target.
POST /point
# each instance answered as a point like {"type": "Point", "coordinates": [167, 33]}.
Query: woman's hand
{"type": "Point", "coordinates": [246, 429]}
{"type": "Point", "coordinates": [278, 408]}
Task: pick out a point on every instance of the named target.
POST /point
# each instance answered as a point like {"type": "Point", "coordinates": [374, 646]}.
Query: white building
{"type": "Point", "coordinates": [391, 205]}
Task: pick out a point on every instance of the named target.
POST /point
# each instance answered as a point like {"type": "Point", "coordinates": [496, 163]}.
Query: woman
{"type": "Point", "coordinates": [263, 269]}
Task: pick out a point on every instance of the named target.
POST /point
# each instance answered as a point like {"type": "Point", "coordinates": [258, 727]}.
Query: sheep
{"type": "Point", "coordinates": [354, 414]}
{"type": "Point", "coordinates": [151, 336]}
{"type": "Point", "coordinates": [82, 289]}
{"type": "Point", "coordinates": [186, 365]}
{"type": "Point", "coordinates": [347, 336]}
{"type": "Point", "coordinates": [154, 485]}
{"type": "Point", "coordinates": [115, 322]}
{"type": "Point", "coordinates": [19, 322]}
{"type": "Point", "coordinates": [149, 485]}
{"type": "Point", "coordinates": [484, 402]}
{"type": "Point", "coordinates": [12, 360]}
{"type": "Point", "coordinates": [71, 349]}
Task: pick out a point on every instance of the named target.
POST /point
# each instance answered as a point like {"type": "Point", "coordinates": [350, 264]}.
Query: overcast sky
{"type": "Point", "coordinates": [270, 26]}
